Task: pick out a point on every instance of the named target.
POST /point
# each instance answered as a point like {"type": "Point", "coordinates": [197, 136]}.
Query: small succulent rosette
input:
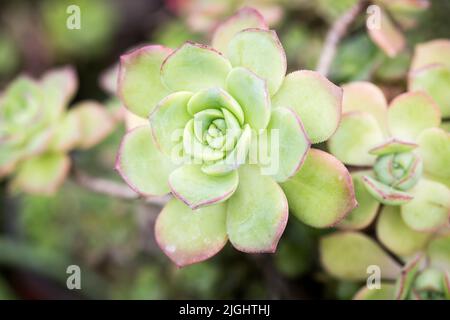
{"type": "Point", "coordinates": [407, 152]}
{"type": "Point", "coordinates": [37, 131]}
{"type": "Point", "coordinates": [430, 72]}
{"type": "Point", "coordinates": [387, 19]}
{"type": "Point", "coordinates": [226, 126]}
{"type": "Point", "coordinates": [353, 256]}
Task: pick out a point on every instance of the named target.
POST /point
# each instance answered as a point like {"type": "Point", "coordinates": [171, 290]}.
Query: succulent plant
{"type": "Point", "coordinates": [351, 256]}
{"type": "Point", "coordinates": [406, 149]}
{"type": "Point", "coordinates": [211, 110]}
{"type": "Point", "coordinates": [37, 131]}
{"type": "Point", "coordinates": [430, 72]}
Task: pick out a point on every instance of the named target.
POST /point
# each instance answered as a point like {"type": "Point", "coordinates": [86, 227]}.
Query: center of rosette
{"type": "Point", "coordinates": [211, 134]}
{"type": "Point", "coordinates": [399, 170]}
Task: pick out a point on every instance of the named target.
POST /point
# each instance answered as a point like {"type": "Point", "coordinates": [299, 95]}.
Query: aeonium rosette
{"type": "Point", "coordinates": [407, 150]}
{"type": "Point", "coordinates": [37, 131]}
{"type": "Point", "coordinates": [226, 126]}
{"type": "Point", "coordinates": [353, 256]}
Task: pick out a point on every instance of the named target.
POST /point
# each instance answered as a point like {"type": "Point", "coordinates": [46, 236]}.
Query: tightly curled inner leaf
{"type": "Point", "coordinates": [228, 126]}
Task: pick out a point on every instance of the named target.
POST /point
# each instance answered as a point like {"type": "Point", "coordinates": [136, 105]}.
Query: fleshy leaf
{"type": "Point", "coordinates": [430, 207]}
{"type": "Point", "coordinates": [215, 98]}
{"type": "Point", "coordinates": [321, 193]}
{"type": "Point", "coordinates": [235, 158]}
{"type": "Point", "coordinates": [392, 146]}
{"type": "Point", "coordinates": [95, 123]}
{"type": "Point", "coordinates": [386, 292]}
{"type": "Point", "coordinates": [366, 97]}
{"type": "Point", "coordinates": [42, 174]}
{"type": "Point", "coordinates": [145, 169]}
{"type": "Point", "coordinates": [60, 86]}
{"type": "Point", "coordinates": [67, 133]}
{"type": "Point", "coordinates": [347, 255]}
{"type": "Point", "coordinates": [197, 150]}
{"type": "Point", "coordinates": [406, 279]}
{"type": "Point", "coordinates": [434, 80]}
{"type": "Point", "coordinates": [357, 134]}
{"type": "Point", "coordinates": [251, 93]}
{"type": "Point", "coordinates": [434, 148]}
{"type": "Point", "coordinates": [365, 213]}
{"type": "Point", "coordinates": [188, 236]}
{"type": "Point", "coordinates": [169, 120]}
{"type": "Point", "coordinates": [438, 251]}
{"type": "Point", "coordinates": [197, 189]}
{"type": "Point", "coordinates": [286, 154]}
{"type": "Point", "coordinates": [395, 235]}
{"type": "Point", "coordinates": [386, 194]}
{"type": "Point", "coordinates": [257, 212]}
{"type": "Point", "coordinates": [140, 86]}
{"type": "Point", "coordinates": [260, 51]}
{"type": "Point", "coordinates": [387, 36]}
{"type": "Point", "coordinates": [431, 52]}
{"type": "Point", "coordinates": [194, 67]}
{"type": "Point", "coordinates": [245, 18]}
{"type": "Point", "coordinates": [315, 99]}
{"type": "Point", "coordinates": [411, 113]}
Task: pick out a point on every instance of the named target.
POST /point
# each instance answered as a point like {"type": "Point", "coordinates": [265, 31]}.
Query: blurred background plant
{"type": "Point", "coordinates": [111, 238]}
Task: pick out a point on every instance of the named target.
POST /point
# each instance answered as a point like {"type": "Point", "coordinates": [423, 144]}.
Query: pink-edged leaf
{"type": "Point", "coordinates": [347, 255]}
{"type": "Point", "coordinates": [393, 146]}
{"type": "Point", "coordinates": [357, 134]}
{"type": "Point", "coordinates": [434, 148]}
{"type": "Point", "coordinates": [60, 86]}
{"type": "Point", "coordinates": [243, 19]}
{"type": "Point", "coordinates": [432, 52]}
{"type": "Point", "coordinates": [145, 169]}
{"type": "Point", "coordinates": [315, 99]}
{"type": "Point", "coordinates": [194, 67]}
{"type": "Point", "coordinates": [95, 123]}
{"type": "Point", "coordinates": [366, 211]}
{"type": "Point", "coordinates": [245, 50]}
{"type": "Point", "coordinates": [140, 87]}
{"type": "Point", "coordinates": [387, 36]}
{"type": "Point", "coordinates": [365, 97]}
{"type": "Point", "coordinates": [187, 236]}
{"type": "Point", "coordinates": [395, 235]}
{"type": "Point", "coordinates": [321, 194]}
{"type": "Point", "coordinates": [385, 194]}
{"type": "Point", "coordinates": [433, 79]}
{"type": "Point", "coordinates": [412, 112]}
{"type": "Point", "coordinates": [430, 208]}
{"type": "Point", "coordinates": [408, 274]}
{"type": "Point", "coordinates": [197, 189]}
{"type": "Point", "coordinates": [42, 174]}
{"type": "Point", "coordinates": [287, 144]}
{"type": "Point", "coordinates": [257, 212]}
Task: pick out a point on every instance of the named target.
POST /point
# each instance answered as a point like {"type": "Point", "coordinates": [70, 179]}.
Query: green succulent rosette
{"type": "Point", "coordinates": [347, 255]}
{"type": "Point", "coordinates": [406, 150]}
{"type": "Point", "coordinates": [37, 130]}
{"type": "Point", "coordinates": [211, 109]}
